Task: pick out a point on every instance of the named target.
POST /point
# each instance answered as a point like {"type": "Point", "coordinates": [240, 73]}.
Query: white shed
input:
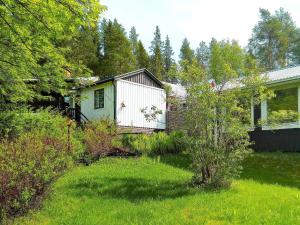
{"type": "Point", "coordinates": [122, 98]}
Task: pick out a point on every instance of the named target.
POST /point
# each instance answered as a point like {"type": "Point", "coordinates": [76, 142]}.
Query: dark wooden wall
{"type": "Point", "coordinates": [285, 140]}
{"type": "Point", "coordinates": [142, 78]}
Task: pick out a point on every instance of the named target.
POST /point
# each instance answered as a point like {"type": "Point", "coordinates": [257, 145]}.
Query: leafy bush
{"type": "Point", "coordinates": [29, 162]}
{"type": "Point", "coordinates": [15, 122]}
{"type": "Point", "coordinates": [99, 138]}
{"type": "Point", "coordinates": [157, 143]}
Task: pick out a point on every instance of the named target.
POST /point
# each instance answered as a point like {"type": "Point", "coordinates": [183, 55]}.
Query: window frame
{"type": "Point", "coordinates": [288, 125]}
{"type": "Point", "coordinates": [97, 98]}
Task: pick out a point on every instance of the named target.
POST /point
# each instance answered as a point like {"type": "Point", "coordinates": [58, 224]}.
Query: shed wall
{"type": "Point", "coordinates": [132, 97]}
{"type": "Point", "coordinates": [87, 102]}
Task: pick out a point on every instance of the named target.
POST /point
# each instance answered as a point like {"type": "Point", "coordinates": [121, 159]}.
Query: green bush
{"type": "Point", "coordinates": [157, 143]}
{"type": "Point", "coordinates": [31, 160]}
{"type": "Point", "coordinates": [99, 138]}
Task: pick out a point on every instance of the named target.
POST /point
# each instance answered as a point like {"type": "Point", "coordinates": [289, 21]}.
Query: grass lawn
{"type": "Point", "coordinates": [155, 191]}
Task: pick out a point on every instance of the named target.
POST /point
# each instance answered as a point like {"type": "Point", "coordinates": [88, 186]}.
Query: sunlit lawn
{"type": "Point", "coordinates": [156, 191]}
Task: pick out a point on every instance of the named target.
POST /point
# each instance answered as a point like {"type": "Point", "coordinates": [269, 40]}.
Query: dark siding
{"type": "Point", "coordinates": [142, 78]}
{"type": "Point", "coordinates": [285, 140]}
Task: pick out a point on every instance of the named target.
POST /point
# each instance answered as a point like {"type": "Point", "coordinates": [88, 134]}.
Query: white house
{"type": "Point", "coordinates": [121, 98]}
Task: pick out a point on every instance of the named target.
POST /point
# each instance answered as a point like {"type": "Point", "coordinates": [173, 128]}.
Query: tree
{"type": "Point", "coordinates": [142, 56]}
{"type": "Point", "coordinates": [168, 54]}
{"type": "Point", "coordinates": [202, 54]}
{"type": "Point", "coordinates": [225, 58]}
{"type": "Point", "coordinates": [186, 54]}
{"type": "Point", "coordinates": [85, 49]}
{"type": "Point", "coordinates": [215, 120]}
{"type": "Point", "coordinates": [133, 37]}
{"type": "Point", "coordinates": [275, 40]}
{"type": "Point", "coordinates": [116, 49]}
{"type": "Point", "coordinates": [33, 45]}
{"type": "Point", "coordinates": [156, 48]}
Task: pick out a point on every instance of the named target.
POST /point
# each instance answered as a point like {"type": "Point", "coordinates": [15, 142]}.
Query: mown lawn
{"type": "Point", "coordinates": [156, 191]}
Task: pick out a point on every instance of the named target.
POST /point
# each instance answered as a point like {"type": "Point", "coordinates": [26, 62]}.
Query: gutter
{"type": "Point", "coordinates": [282, 81]}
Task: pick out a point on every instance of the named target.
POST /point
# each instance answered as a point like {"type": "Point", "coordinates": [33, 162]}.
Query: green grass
{"type": "Point", "coordinates": [156, 191]}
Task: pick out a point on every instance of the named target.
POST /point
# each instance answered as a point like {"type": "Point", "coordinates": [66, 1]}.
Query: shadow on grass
{"type": "Point", "coordinates": [131, 189]}
{"type": "Point", "coordinates": [273, 168]}
{"type": "Point", "coordinates": [181, 161]}
{"type": "Point", "coordinates": [270, 168]}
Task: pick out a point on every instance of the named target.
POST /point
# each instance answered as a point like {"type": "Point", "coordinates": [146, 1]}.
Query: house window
{"type": "Point", "coordinates": [99, 99]}
{"type": "Point", "coordinates": [283, 108]}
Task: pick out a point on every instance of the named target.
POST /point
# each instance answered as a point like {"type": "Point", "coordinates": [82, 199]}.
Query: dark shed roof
{"type": "Point", "coordinates": [126, 75]}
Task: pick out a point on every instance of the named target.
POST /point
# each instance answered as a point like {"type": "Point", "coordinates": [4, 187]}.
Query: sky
{"type": "Point", "coordinates": [197, 20]}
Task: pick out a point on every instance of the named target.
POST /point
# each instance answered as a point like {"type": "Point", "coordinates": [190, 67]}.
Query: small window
{"type": "Point", "coordinates": [99, 99]}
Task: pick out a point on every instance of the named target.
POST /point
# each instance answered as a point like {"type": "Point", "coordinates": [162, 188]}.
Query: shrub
{"type": "Point", "coordinates": [156, 143]}
{"type": "Point", "coordinates": [29, 162]}
{"type": "Point", "coordinates": [11, 122]}
{"type": "Point", "coordinates": [99, 138]}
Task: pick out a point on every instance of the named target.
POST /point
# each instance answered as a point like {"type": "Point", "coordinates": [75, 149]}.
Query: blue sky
{"type": "Point", "coordinates": [195, 19]}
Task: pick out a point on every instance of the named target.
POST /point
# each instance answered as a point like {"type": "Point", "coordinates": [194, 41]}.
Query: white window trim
{"type": "Point", "coordinates": [264, 116]}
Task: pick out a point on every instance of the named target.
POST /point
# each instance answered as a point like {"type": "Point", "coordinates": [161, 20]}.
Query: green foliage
{"type": "Point", "coordinates": [227, 59]}
{"type": "Point", "coordinates": [29, 162]}
{"type": "Point", "coordinates": [117, 56]}
{"type": "Point", "coordinates": [283, 108]}
{"type": "Point", "coordinates": [33, 45]}
{"type": "Point", "coordinates": [186, 54]}
{"type": "Point", "coordinates": [168, 55]}
{"type": "Point", "coordinates": [157, 143]}
{"type": "Point", "coordinates": [215, 117]}
{"type": "Point", "coordinates": [280, 117]}
{"type": "Point", "coordinates": [15, 122]}
{"type": "Point", "coordinates": [203, 54]}
{"type": "Point", "coordinates": [133, 38]}
{"type": "Point", "coordinates": [142, 56]}
{"type": "Point", "coordinates": [275, 40]}
{"type": "Point", "coordinates": [99, 138]}
{"type": "Point", "coordinates": [84, 49]}
{"type": "Point", "coordinates": [156, 50]}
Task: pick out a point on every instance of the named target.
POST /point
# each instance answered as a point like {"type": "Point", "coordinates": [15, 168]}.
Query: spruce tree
{"type": "Point", "coordinates": [117, 54]}
{"type": "Point", "coordinates": [202, 54]}
{"type": "Point", "coordinates": [156, 49]}
{"type": "Point", "coordinates": [133, 37]}
{"type": "Point", "coordinates": [186, 54]}
{"type": "Point", "coordinates": [142, 56]}
{"type": "Point", "coordinates": [168, 54]}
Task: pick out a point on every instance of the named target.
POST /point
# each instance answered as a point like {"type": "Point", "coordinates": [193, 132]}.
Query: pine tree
{"type": "Point", "coordinates": [133, 37]}
{"type": "Point", "coordinates": [202, 54]}
{"type": "Point", "coordinates": [186, 54]}
{"type": "Point", "coordinates": [168, 53]}
{"type": "Point", "coordinates": [156, 48]}
{"type": "Point", "coordinates": [275, 40]}
{"type": "Point", "coordinates": [142, 56]}
{"type": "Point", "coordinates": [117, 54]}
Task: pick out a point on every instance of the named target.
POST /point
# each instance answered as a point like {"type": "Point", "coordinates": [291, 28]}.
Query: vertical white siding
{"type": "Point", "coordinates": [87, 102]}
{"type": "Point", "coordinates": [136, 97]}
